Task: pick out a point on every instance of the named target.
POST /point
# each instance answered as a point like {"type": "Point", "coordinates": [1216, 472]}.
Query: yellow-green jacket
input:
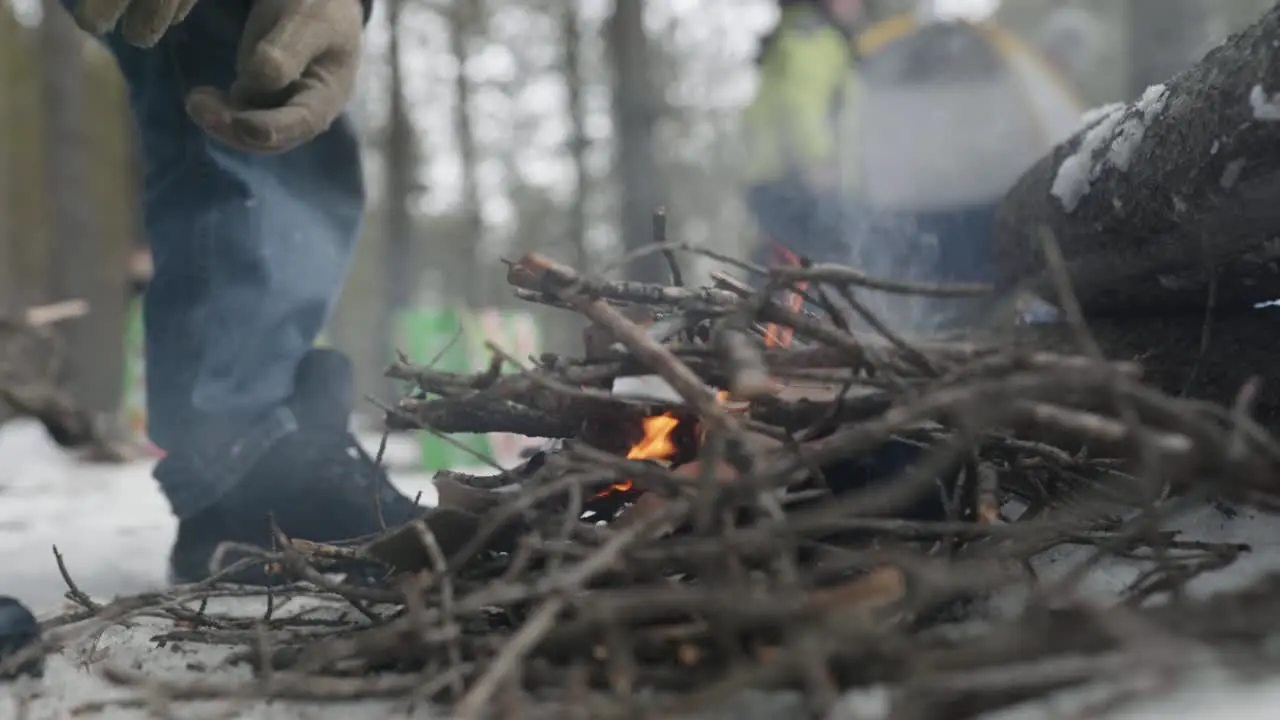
{"type": "Point", "coordinates": [803, 115]}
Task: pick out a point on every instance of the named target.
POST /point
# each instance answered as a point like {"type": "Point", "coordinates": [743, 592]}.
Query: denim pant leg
{"type": "Point", "coordinates": [964, 243]}
{"type": "Point", "coordinates": [793, 216]}
{"type": "Point", "coordinates": [250, 254]}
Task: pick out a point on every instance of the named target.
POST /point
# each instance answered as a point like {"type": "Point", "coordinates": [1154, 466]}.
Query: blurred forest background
{"type": "Point", "coordinates": [491, 127]}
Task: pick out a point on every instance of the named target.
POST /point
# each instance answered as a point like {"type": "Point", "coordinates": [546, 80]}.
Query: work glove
{"type": "Point", "coordinates": [295, 72]}
{"type": "Point", "coordinates": [142, 22]}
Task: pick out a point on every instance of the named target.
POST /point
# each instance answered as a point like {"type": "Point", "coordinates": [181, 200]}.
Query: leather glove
{"type": "Point", "coordinates": [142, 22]}
{"type": "Point", "coordinates": [294, 75]}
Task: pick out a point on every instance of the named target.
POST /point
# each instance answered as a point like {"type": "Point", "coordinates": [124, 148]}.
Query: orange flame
{"type": "Point", "coordinates": [776, 335]}
{"type": "Point", "coordinates": [656, 444]}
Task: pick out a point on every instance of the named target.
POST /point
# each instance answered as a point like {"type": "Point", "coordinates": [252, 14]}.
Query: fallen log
{"type": "Point", "coordinates": [1189, 354]}
{"type": "Point", "coordinates": [1151, 201]}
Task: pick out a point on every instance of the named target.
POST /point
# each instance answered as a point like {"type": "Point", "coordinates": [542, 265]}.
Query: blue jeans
{"type": "Point", "coordinates": [964, 242]}
{"type": "Point", "coordinates": [791, 215]}
{"type": "Point", "coordinates": [250, 255]}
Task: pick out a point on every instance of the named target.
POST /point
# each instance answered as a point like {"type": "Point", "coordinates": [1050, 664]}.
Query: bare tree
{"type": "Point", "coordinates": [463, 20]}
{"type": "Point", "coordinates": [78, 262]}
{"type": "Point", "coordinates": [571, 32]}
{"type": "Point", "coordinates": [635, 116]}
{"type": "Point", "coordinates": [400, 165]}
{"type": "Point", "coordinates": [9, 295]}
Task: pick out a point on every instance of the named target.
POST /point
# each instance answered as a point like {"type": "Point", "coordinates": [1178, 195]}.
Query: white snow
{"type": "Point", "coordinates": [73, 681]}
{"type": "Point", "coordinates": [1266, 106]}
{"type": "Point", "coordinates": [1135, 126]}
{"type": "Point", "coordinates": [1093, 115]}
{"type": "Point", "coordinates": [1118, 129]}
{"type": "Point", "coordinates": [1207, 693]}
{"type": "Point", "coordinates": [110, 522]}
{"type": "Point", "coordinates": [1207, 524]}
{"type": "Point", "coordinates": [1077, 173]}
{"type": "Point", "coordinates": [113, 527]}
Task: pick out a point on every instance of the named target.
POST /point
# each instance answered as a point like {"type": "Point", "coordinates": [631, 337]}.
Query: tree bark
{"type": "Point", "coordinates": [1190, 354]}
{"type": "Point", "coordinates": [1180, 189]}
{"type": "Point", "coordinates": [634, 118]}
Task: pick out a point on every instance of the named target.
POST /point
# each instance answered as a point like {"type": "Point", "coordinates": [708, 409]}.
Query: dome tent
{"type": "Point", "coordinates": [953, 112]}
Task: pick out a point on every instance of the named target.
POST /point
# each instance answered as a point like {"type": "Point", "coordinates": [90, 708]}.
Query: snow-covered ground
{"type": "Point", "coordinates": [114, 529]}
{"type": "Point", "coordinates": [110, 522]}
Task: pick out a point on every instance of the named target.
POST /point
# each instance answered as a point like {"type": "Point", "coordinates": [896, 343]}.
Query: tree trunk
{"type": "Point", "coordinates": [461, 25]}
{"type": "Point", "coordinates": [634, 117]}
{"type": "Point", "coordinates": [78, 260]}
{"type": "Point", "coordinates": [9, 293]}
{"type": "Point", "coordinates": [400, 157]}
{"type": "Point", "coordinates": [571, 34]}
{"type": "Point", "coordinates": [1150, 203]}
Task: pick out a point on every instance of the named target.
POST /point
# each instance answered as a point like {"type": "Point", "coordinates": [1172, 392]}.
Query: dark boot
{"type": "Point", "coordinates": [19, 631]}
{"type": "Point", "coordinates": [315, 483]}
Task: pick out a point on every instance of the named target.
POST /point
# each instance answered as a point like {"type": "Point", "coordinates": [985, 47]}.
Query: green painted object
{"type": "Point", "coordinates": [426, 332]}
{"type": "Point", "coordinates": [134, 405]}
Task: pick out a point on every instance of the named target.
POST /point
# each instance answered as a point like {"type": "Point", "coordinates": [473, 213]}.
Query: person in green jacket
{"type": "Point", "coordinates": [799, 173]}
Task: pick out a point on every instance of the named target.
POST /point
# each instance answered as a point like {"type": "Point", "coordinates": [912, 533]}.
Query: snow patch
{"type": "Point", "coordinates": [1266, 106]}
{"type": "Point", "coordinates": [1117, 129]}
{"type": "Point", "coordinates": [1093, 115]}
{"type": "Point", "coordinates": [1208, 693]}
{"type": "Point", "coordinates": [110, 522]}
{"type": "Point", "coordinates": [1077, 173]}
{"type": "Point", "coordinates": [1135, 125]}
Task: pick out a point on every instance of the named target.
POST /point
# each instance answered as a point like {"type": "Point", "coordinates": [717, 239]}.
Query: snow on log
{"type": "Point", "coordinates": [1149, 200]}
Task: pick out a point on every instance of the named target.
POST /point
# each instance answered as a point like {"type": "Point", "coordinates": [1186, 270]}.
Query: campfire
{"type": "Point", "coordinates": [800, 505]}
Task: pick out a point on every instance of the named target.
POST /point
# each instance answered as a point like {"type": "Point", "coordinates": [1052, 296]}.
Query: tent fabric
{"type": "Point", "coordinates": [953, 113]}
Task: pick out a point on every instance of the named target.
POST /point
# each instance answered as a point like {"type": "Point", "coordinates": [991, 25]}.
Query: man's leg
{"type": "Point", "coordinates": [963, 255]}
{"type": "Point", "coordinates": [250, 253]}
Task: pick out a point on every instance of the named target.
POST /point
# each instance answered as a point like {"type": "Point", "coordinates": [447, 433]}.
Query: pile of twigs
{"type": "Point", "coordinates": [784, 545]}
